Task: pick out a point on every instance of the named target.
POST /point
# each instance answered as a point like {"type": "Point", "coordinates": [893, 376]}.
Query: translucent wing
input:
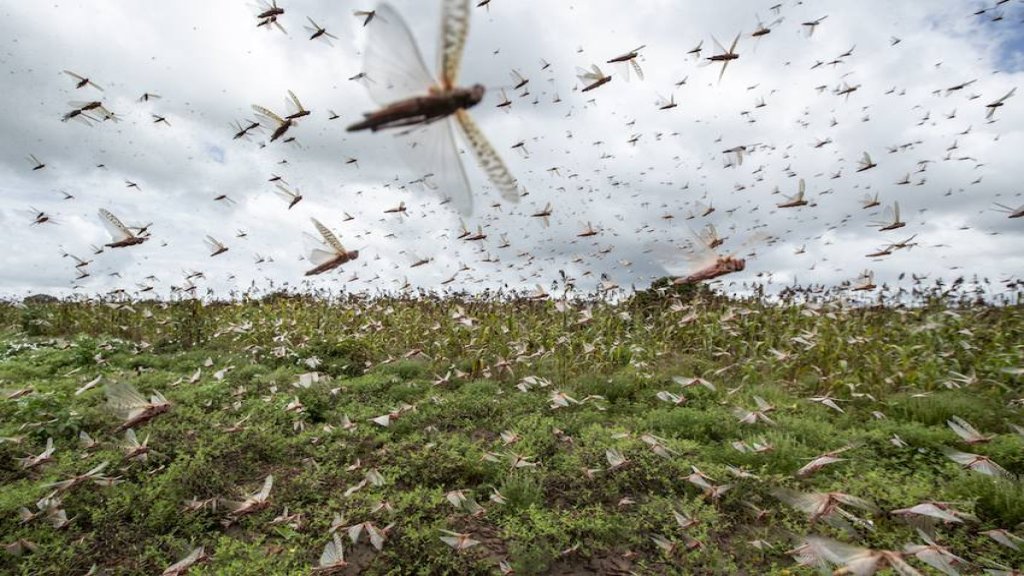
{"type": "Point", "coordinates": [488, 158]}
{"type": "Point", "coordinates": [454, 29]}
{"type": "Point", "coordinates": [318, 256]}
{"type": "Point", "coordinates": [588, 76]}
{"type": "Point", "coordinates": [316, 251]}
{"type": "Point", "coordinates": [264, 492]}
{"type": "Point", "coordinates": [185, 562]}
{"type": "Point", "coordinates": [334, 552]}
{"type": "Point", "coordinates": [636, 68]}
{"type": "Point", "coordinates": [118, 230]}
{"type": "Point", "coordinates": [392, 60]}
{"type": "Point", "coordinates": [293, 103]}
{"type": "Point", "coordinates": [123, 397]}
{"type": "Point", "coordinates": [329, 236]}
{"type": "Point", "coordinates": [285, 194]}
{"type": "Point", "coordinates": [435, 151]}
{"type": "Point", "coordinates": [681, 260]}
{"type": "Point", "coordinates": [266, 117]}
{"type": "Point", "coordinates": [721, 49]}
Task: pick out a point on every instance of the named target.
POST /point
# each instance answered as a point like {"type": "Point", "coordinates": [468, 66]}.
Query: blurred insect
{"type": "Point", "coordinates": [819, 462]}
{"type": "Point", "coordinates": [797, 200]}
{"type": "Point", "coordinates": [592, 78]}
{"type": "Point", "coordinates": [272, 121]}
{"type": "Point", "coordinates": [94, 475]}
{"type": "Point", "coordinates": [544, 214]}
{"type": "Point", "coordinates": [704, 260]}
{"type": "Point", "coordinates": [992, 107]}
{"type": "Point", "coordinates": [762, 29]}
{"type": "Point", "coordinates": [295, 108]}
{"type": "Point", "coordinates": [518, 80]}
{"type": "Point", "coordinates": [366, 15]}
{"type": "Point", "coordinates": [1017, 212]}
{"type": "Point", "coordinates": [268, 13]}
{"type": "Point", "coordinates": [132, 406]}
{"type": "Point", "coordinates": [133, 449]}
{"type": "Point", "coordinates": [978, 463]}
{"type": "Point", "coordinates": [866, 163]}
{"type": "Point", "coordinates": [243, 131]}
{"type": "Point", "coordinates": [857, 560]}
{"type": "Point", "coordinates": [181, 567]}
{"type": "Point", "coordinates": [332, 559]}
{"type": "Point", "coordinates": [827, 506]}
{"type": "Point", "coordinates": [45, 457]}
{"type": "Point", "coordinates": [82, 81]}
{"type": "Point", "coordinates": [318, 31]}
{"type": "Point", "coordinates": [216, 246]}
{"type": "Point", "coordinates": [696, 50]}
{"type": "Point", "coordinates": [40, 217]}
{"type": "Point", "coordinates": [459, 541]}
{"type": "Point", "coordinates": [253, 503]}
{"type": "Point", "coordinates": [812, 25]}
{"type": "Point", "coordinates": [120, 233]}
{"type": "Point", "coordinates": [724, 56]}
{"type": "Point", "coordinates": [292, 198]}
{"type": "Point", "coordinates": [36, 164]}
{"type": "Point", "coordinates": [328, 254]}
{"type": "Point", "coordinates": [411, 97]}
{"type": "Point", "coordinates": [864, 282]}
{"type": "Point", "coordinates": [891, 218]}
{"type": "Point", "coordinates": [628, 61]}
{"type": "Point", "coordinates": [846, 90]}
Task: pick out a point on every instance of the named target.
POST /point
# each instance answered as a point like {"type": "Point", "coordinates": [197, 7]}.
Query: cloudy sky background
{"type": "Point", "coordinates": [210, 63]}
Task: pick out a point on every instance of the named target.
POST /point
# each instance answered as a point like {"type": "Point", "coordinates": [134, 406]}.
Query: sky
{"type": "Point", "coordinates": [641, 176]}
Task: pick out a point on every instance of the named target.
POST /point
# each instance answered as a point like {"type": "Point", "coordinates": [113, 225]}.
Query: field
{"type": "Point", "coordinates": [561, 437]}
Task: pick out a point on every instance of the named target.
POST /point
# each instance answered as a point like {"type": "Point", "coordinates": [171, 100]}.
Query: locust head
{"type": "Point", "coordinates": [470, 97]}
{"type": "Point", "coordinates": [729, 264]}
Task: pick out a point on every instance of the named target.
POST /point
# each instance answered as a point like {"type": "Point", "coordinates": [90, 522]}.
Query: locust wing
{"type": "Point", "coordinates": [394, 68]}
{"type": "Point", "coordinates": [433, 150]}
{"type": "Point", "coordinates": [329, 236]}
{"type": "Point", "coordinates": [488, 158]}
{"type": "Point", "coordinates": [266, 117]}
{"type": "Point", "coordinates": [454, 30]}
{"type": "Point", "coordinates": [124, 399]}
{"type": "Point", "coordinates": [117, 230]}
{"type": "Point", "coordinates": [334, 552]}
{"type": "Point", "coordinates": [294, 106]}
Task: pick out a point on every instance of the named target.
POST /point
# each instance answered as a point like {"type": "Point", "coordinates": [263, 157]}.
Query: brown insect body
{"type": "Point", "coordinates": [600, 82]}
{"type": "Point", "coordinates": [132, 241]}
{"type": "Point", "coordinates": [724, 265]}
{"type": "Point", "coordinates": [146, 415]}
{"type": "Point", "coordinates": [332, 264]}
{"type": "Point", "coordinates": [421, 109]}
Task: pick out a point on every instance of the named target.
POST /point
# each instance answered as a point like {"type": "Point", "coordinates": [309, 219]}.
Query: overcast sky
{"type": "Point", "coordinates": [609, 157]}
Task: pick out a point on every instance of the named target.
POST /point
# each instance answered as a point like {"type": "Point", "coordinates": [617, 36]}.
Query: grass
{"type": "Point", "coordinates": [456, 372]}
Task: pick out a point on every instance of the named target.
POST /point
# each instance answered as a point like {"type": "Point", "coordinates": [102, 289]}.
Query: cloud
{"type": "Point", "coordinates": [609, 157]}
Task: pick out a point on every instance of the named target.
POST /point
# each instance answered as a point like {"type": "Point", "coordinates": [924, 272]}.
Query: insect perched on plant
{"type": "Point", "coordinates": [411, 97]}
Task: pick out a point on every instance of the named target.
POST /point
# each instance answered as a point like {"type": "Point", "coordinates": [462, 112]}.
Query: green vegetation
{"type": "Point", "coordinates": [525, 407]}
